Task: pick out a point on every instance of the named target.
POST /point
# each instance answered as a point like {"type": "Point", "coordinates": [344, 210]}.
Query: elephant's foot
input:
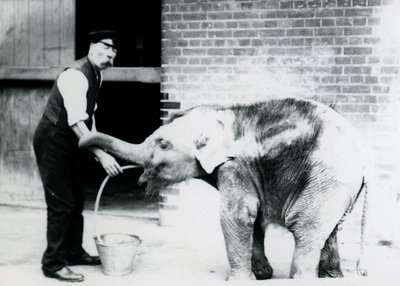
{"type": "Point", "coordinates": [240, 275]}
{"type": "Point", "coordinates": [329, 264]}
{"type": "Point", "coordinates": [261, 268]}
{"type": "Point", "coordinates": [305, 263]}
{"type": "Point", "coordinates": [330, 273]}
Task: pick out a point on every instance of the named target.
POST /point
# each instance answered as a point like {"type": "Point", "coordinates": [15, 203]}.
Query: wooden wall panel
{"type": "Point", "coordinates": [19, 117]}
{"type": "Point", "coordinates": [2, 33]}
{"type": "Point", "coordinates": [7, 33]}
{"type": "Point", "coordinates": [5, 123]}
{"type": "Point", "coordinates": [21, 108]}
{"type": "Point", "coordinates": [52, 33]}
{"type": "Point", "coordinates": [37, 32]}
{"type": "Point", "coordinates": [5, 131]}
{"type": "Point", "coordinates": [67, 31]}
{"type": "Point", "coordinates": [22, 33]}
{"type": "Point", "coordinates": [33, 33]}
{"type": "Point", "coordinates": [38, 99]}
{"type": "Point", "coordinates": [21, 170]}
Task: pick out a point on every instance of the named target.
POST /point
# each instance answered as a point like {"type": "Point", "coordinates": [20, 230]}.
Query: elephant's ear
{"type": "Point", "coordinates": [213, 146]}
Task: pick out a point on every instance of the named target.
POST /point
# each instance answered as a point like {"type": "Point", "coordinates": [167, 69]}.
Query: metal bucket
{"type": "Point", "coordinates": [117, 251]}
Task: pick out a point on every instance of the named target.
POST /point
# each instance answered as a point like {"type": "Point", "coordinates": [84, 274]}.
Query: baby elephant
{"type": "Point", "coordinates": [292, 162]}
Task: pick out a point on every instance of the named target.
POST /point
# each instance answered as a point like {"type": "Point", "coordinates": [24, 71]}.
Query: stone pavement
{"type": "Point", "coordinates": [189, 253]}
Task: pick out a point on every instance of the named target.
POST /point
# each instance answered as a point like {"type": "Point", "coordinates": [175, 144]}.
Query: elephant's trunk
{"type": "Point", "coordinates": [133, 153]}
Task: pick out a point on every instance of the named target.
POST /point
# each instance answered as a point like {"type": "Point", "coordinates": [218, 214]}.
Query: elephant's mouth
{"type": "Point", "coordinates": [154, 185]}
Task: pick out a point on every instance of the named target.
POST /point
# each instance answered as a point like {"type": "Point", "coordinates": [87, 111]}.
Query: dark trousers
{"type": "Point", "coordinates": [56, 151]}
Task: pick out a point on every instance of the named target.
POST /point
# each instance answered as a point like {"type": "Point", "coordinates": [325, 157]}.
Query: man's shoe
{"type": "Point", "coordinates": [64, 274]}
{"type": "Point", "coordinates": [84, 259]}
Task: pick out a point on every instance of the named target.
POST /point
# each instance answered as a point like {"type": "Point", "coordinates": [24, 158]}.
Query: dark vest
{"type": "Point", "coordinates": [55, 110]}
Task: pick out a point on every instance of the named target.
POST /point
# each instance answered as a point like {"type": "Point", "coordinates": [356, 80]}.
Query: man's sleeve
{"type": "Point", "coordinates": [73, 86]}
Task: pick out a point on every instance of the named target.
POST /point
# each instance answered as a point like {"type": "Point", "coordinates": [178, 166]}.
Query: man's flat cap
{"type": "Point", "coordinates": [97, 36]}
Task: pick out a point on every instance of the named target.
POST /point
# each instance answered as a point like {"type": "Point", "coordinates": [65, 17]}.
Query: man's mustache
{"type": "Point", "coordinates": [109, 64]}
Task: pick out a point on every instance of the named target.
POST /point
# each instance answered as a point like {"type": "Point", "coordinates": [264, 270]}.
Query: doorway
{"type": "Point", "coordinates": [127, 110]}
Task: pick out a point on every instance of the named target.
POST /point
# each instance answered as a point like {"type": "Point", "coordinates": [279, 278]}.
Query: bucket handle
{"type": "Point", "coordinates": [99, 193]}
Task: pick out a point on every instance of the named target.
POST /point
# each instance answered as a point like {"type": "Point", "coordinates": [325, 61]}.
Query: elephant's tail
{"type": "Point", "coordinates": [361, 264]}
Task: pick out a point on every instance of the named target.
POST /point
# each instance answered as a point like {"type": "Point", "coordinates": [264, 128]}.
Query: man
{"type": "Point", "coordinates": [69, 115]}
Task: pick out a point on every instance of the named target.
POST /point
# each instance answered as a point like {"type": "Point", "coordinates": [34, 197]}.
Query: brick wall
{"type": "Point", "coordinates": [341, 52]}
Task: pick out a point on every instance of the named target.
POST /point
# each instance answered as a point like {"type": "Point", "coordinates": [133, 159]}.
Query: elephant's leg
{"type": "Point", "coordinates": [311, 227]}
{"type": "Point", "coordinates": [329, 265]}
{"type": "Point", "coordinates": [310, 261]}
{"type": "Point", "coordinates": [312, 219]}
{"type": "Point", "coordinates": [238, 214]}
{"type": "Point", "coordinates": [259, 263]}
{"type": "Point", "coordinates": [305, 260]}
{"type": "Point", "coordinates": [315, 248]}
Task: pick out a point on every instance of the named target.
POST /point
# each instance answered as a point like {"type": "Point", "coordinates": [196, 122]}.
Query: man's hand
{"type": "Point", "coordinates": [109, 163]}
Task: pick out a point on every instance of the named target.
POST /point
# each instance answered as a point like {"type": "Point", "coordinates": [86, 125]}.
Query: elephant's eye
{"type": "Point", "coordinates": [164, 144]}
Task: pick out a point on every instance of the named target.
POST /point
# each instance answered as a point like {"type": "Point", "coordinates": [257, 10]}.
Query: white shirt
{"type": "Point", "coordinates": [73, 86]}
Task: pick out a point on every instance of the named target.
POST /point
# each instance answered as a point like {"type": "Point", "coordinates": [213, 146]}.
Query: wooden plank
{"type": "Point", "coordinates": [29, 73]}
{"type": "Point", "coordinates": [5, 120]}
{"type": "Point", "coordinates": [38, 100]}
{"type": "Point", "coordinates": [146, 75]}
{"type": "Point", "coordinates": [4, 102]}
{"type": "Point", "coordinates": [8, 33]}
{"type": "Point", "coordinates": [20, 110]}
{"type": "Point", "coordinates": [21, 167]}
{"type": "Point", "coordinates": [21, 32]}
{"type": "Point", "coordinates": [20, 106]}
{"type": "Point", "coordinates": [36, 32]}
{"type": "Point", "coordinates": [2, 34]}
{"type": "Point", "coordinates": [3, 127]}
{"type": "Point", "coordinates": [51, 33]}
{"type": "Point", "coordinates": [67, 31]}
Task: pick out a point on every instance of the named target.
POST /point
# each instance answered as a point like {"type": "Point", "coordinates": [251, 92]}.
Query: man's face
{"type": "Point", "coordinates": [102, 54]}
